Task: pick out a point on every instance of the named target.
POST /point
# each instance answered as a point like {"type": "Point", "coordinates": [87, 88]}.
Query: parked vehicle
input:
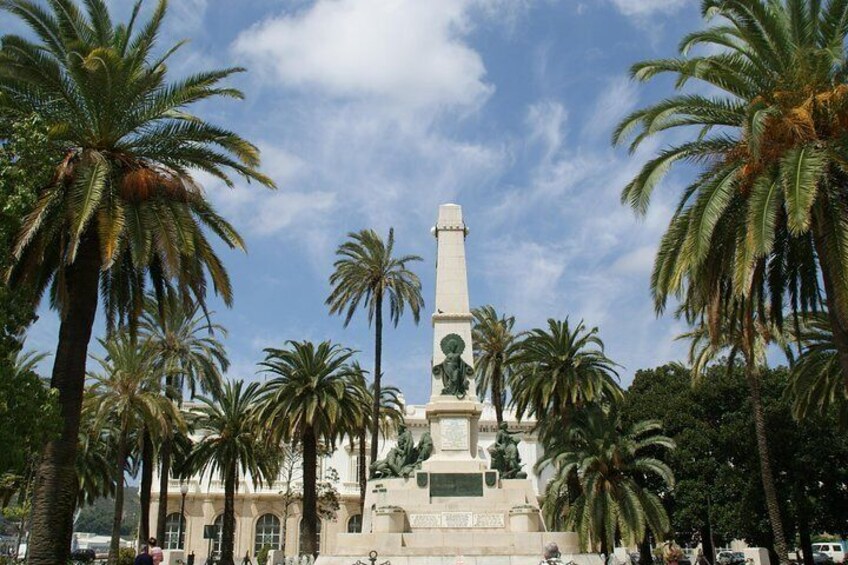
{"type": "Point", "coordinates": [821, 558]}
{"type": "Point", "coordinates": [730, 558]}
{"type": "Point", "coordinates": [83, 556]}
{"type": "Point", "coordinates": [834, 549]}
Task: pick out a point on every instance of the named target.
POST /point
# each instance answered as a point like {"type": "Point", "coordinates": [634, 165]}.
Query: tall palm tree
{"type": "Point", "coordinates": [232, 439]}
{"type": "Point", "coordinates": [559, 370]}
{"type": "Point", "coordinates": [127, 395]}
{"type": "Point", "coordinates": [314, 392]}
{"type": "Point", "coordinates": [611, 462]}
{"type": "Point", "coordinates": [494, 348]}
{"type": "Point", "coordinates": [772, 139]}
{"type": "Point", "coordinates": [188, 354]}
{"type": "Point", "coordinates": [367, 272]}
{"type": "Point", "coordinates": [122, 205]}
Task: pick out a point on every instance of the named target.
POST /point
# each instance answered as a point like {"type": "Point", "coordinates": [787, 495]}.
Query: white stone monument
{"type": "Point", "coordinates": [454, 508]}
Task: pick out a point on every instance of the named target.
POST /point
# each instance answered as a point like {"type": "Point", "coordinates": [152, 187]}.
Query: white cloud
{"type": "Point", "coordinates": [639, 261]}
{"type": "Point", "coordinates": [401, 52]}
{"type": "Point", "coordinates": [619, 97]}
{"type": "Point", "coordinates": [642, 8]}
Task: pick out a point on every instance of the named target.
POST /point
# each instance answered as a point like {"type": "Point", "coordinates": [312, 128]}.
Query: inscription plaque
{"type": "Point", "coordinates": [489, 521]}
{"type": "Point", "coordinates": [425, 520]}
{"type": "Point", "coordinates": [457, 519]}
{"type": "Point", "coordinates": [454, 433]}
{"type": "Point", "coordinates": [456, 484]}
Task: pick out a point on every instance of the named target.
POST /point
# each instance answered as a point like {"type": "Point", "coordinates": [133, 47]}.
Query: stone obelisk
{"type": "Point", "coordinates": [454, 409]}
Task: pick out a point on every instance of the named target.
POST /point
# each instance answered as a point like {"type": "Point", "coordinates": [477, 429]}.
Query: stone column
{"type": "Point", "coordinates": [453, 421]}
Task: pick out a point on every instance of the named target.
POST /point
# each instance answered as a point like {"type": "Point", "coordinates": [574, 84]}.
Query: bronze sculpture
{"type": "Point", "coordinates": [453, 371]}
{"type": "Point", "coordinates": [405, 458]}
{"type": "Point", "coordinates": [504, 453]}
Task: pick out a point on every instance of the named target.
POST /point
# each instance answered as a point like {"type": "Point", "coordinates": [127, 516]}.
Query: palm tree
{"type": "Point", "coordinates": [95, 458]}
{"type": "Point", "coordinates": [815, 383]}
{"type": "Point", "coordinates": [559, 370]}
{"type": "Point", "coordinates": [232, 438]}
{"type": "Point", "coordinates": [183, 341]}
{"type": "Point", "coordinates": [127, 396]}
{"type": "Point", "coordinates": [738, 327]}
{"type": "Point", "coordinates": [494, 348]}
{"type": "Point", "coordinates": [610, 462]}
{"type": "Point", "coordinates": [122, 205]}
{"type": "Point", "coordinates": [367, 272]}
{"type": "Point", "coordinates": [314, 393]}
{"type": "Point", "coordinates": [772, 148]}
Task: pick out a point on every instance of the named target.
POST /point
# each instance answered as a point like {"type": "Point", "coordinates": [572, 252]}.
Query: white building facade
{"type": "Point", "coordinates": [260, 519]}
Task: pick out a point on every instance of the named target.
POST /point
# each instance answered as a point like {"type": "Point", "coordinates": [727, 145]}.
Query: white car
{"type": "Point", "coordinates": [834, 550]}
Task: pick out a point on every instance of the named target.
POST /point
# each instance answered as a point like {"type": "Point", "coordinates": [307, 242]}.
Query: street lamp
{"type": "Point", "coordinates": [183, 492]}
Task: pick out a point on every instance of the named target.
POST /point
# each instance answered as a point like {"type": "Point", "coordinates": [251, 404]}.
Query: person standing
{"type": "Point", "coordinates": [551, 555]}
{"type": "Point", "coordinates": [144, 557]}
{"type": "Point", "coordinates": [155, 551]}
{"type": "Point", "coordinates": [246, 560]}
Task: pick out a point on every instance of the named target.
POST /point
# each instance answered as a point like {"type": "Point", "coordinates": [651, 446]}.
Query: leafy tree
{"type": "Point", "coordinates": [29, 414]}
{"type": "Point", "coordinates": [368, 272]}
{"type": "Point", "coordinates": [25, 166]}
{"type": "Point", "coordinates": [743, 329]}
{"type": "Point", "coordinates": [559, 370]}
{"type": "Point", "coordinates": [127, 396]}
{"type": "Point", "coordinates": [121, 206]}
{"type": "Point", "coordinates": [771, 143]}
{"type": "Point", "coordinates": [232, 439]}
{"type": "Point", "coordinates": [610, 461]}
{"type": "Point", "coordinates": [182, 340]}
{"type": "Point", "coordinates": [314, 392]}
{"type": "Point", "coordinates": [494, 349]}
{"type": "Point", "coordinates": [718, 494]}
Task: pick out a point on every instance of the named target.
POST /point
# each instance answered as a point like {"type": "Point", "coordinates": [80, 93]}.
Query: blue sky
{"type": "Point", "coordinates": [370, 113]}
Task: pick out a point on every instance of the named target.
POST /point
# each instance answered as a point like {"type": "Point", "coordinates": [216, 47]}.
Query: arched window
{"type": "Point", "coordinates": [354, 524]}
{"type": "Point", "coordinates": [302, 541]}
{"type": "Point", "coordinates": [268, 532]}
{"type": "Point", "coordinates": [174, 535]}
{"type": "Point", "coordinates": [216, 543]}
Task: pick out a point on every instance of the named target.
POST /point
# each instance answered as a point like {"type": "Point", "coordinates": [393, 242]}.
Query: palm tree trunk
{"type": "Point", "coordinates": [497, 393]}
{"type": "Point", "coordinates": [229, 525]}
{"type": "Point", "coordinates": [164, 478]}
{"type": "Point", "coordinates": [363, 469]}
{"type": "Point", "coordinates": [838, 319]}
{"type": "Point", "coordinates": [27, 492]}
{"type": "Point", "coordinates": [646, 557]}
{"type": "Point", "coordinates": [753, 377]}
{"type": "Point", "coordinates": [310, 501]}
{"type": "Point", "coordinates": [802, 516]}
{"type": "Point", "coordinates": [146, 486]}
{"type": "Point", "coordinates": [378, 353]}
{"type": "Point", "coordinates": [115, 544]}
{"type": "Point", "coordinates": [56, 482]}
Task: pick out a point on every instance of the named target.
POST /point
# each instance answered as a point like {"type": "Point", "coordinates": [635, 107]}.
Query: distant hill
{"type": "Point", "coordinates": [97, 518]}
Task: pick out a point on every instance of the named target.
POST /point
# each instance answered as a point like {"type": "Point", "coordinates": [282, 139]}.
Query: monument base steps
{"type": "Point", "coordinates": [458, 558]}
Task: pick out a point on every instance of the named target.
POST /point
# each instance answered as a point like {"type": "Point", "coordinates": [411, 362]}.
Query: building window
{"type": "Point", "coordinates": [302, 540]}
{"type": "Point", "coordinates": [216, 543]}
{"type": "Point", "coordinates": [355, 470]}
{"type": "Point", "coordinates": [173, 539]}
{"type": "Point", "coordinates": [354, 524]}
{"type": "Point", "coordinates": [268, 532]}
